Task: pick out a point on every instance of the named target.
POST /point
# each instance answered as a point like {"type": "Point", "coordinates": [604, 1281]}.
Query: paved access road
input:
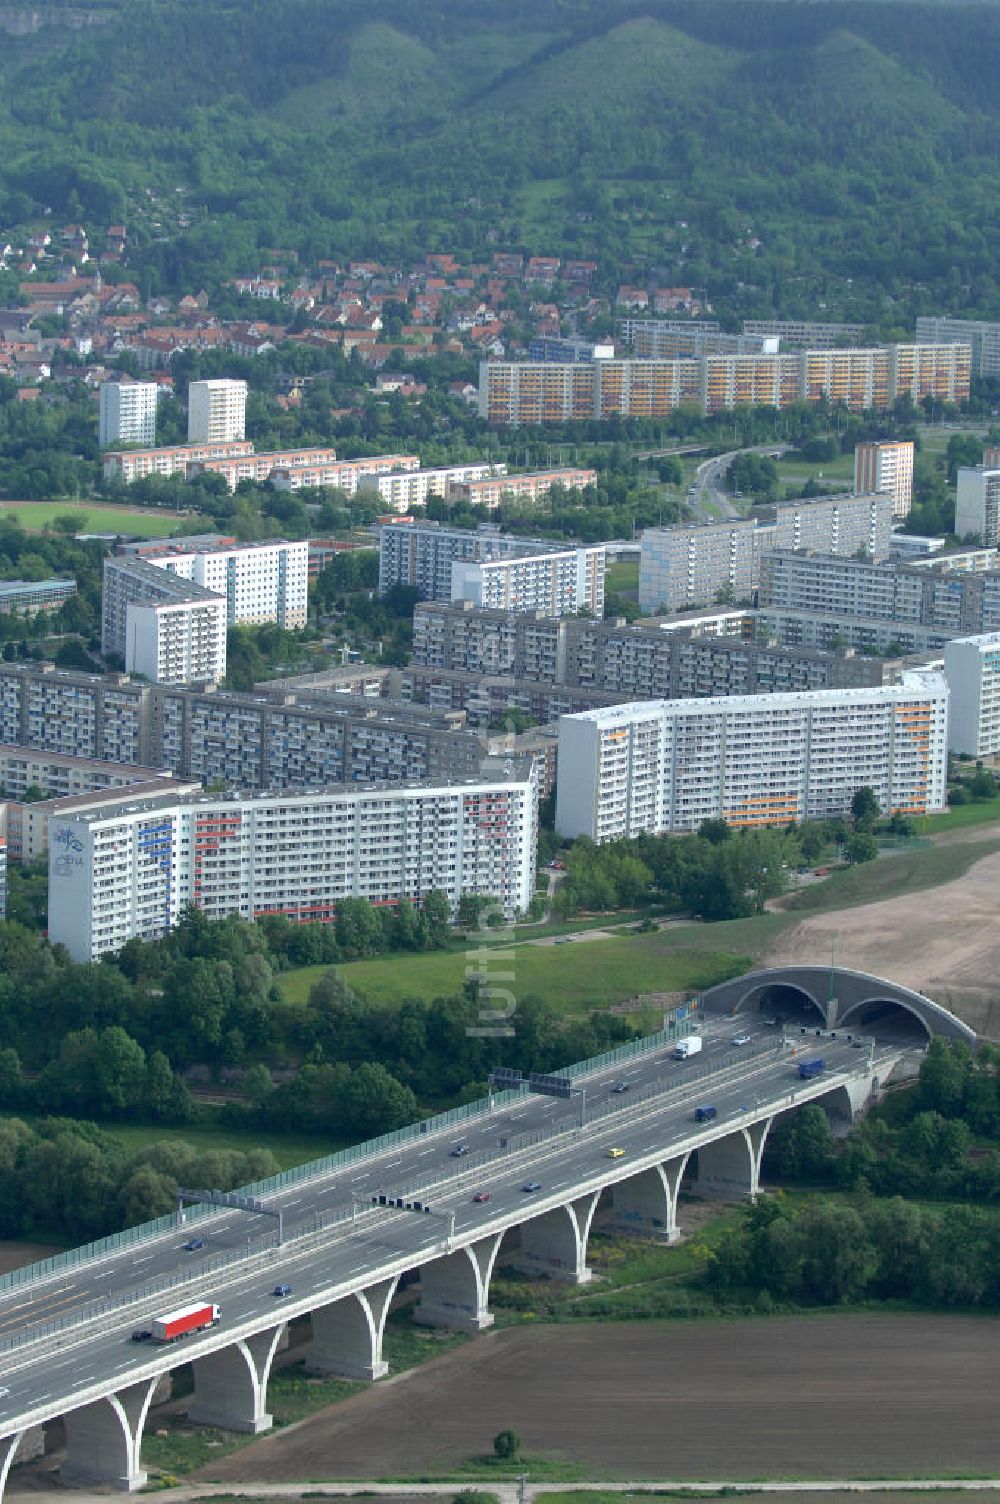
{"type": "Point", "coordinates": [52, 1375]}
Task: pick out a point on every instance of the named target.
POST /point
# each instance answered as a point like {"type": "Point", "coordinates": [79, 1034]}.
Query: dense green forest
{"type": "Point", "coordinates": [784, 155]}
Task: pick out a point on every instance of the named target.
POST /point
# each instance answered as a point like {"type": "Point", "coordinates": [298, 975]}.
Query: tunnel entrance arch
{"type": "Point", "coordinates": [789, 1004]}
{"type": "Point", "coordinates": [889, 1019]}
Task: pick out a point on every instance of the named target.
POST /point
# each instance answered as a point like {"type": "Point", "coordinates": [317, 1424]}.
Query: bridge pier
{"type": "Point", "coordinates": [729, 1167]}
{"type": "Point", "coordinates": [455, 1290]}
{"type": "Point", "coordinates": [104, 1439]}
{"type": "Point", "coordinates": [556, 1242]}
{"type": "Point", "coordinates": [646, 1204]}
{"type": "Point", "coordinates": [230, 1385]}
{"type": "Point", "coordinates": [347, 1335]}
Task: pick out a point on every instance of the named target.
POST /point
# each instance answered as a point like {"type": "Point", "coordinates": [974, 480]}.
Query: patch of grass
{"type": "Point", "coordinates": [576, 977]}
{"type": "Point", "coordinates": [961, 817]}
{"type": "Point", "coordinates": [175, 1450]}
{"type": "Point", "coordinates": [289, 1149]}
{"type": "Point", "coordinates": [94, 517]}
{"type": "Point", "coordinates": [406, 1345]}
{"type": "Point", "coordinates": [908, 872]}
{"type": "Point", "coordinates": [622, 579]}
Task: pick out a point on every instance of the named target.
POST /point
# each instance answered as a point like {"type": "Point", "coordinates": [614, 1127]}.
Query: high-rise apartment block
{"type": "Point", "coordinates": [667, 765]}
{"type": "Point", "coordinates": [169, 629]}
{"type": "Point", "coordinates": [125, 870]}
{"type": "Point", "coordinates": [972, 669]}
{"type": "Point", "coordinates": [261, 582]}
{"type": "Point", "coordinates": [613, 658]}
{"type": "Point", "coordinates": [982, 337]}
{"type": "Point", "coordinates": [883, 465]}
{"type": "Point", "coordinates": [957, 601]}
{"type": "Point", "coordinates": [127, 412]}
{"type": "Point", "coordinates": [217, 411]}
{"type": "Point", "coordinates": [977, 507]}
{"type": "Point", "coordinates": [688, 566]}
{"type": "Point", "coordinates": [874, 378]}
{"type": "Point", "coordinates": [274, 738]}
{"type": "Point", "coordinates": [491, 568]}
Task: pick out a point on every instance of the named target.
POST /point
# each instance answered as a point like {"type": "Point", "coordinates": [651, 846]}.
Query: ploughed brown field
{"type": "Point", "coordinates": [815, 1397]}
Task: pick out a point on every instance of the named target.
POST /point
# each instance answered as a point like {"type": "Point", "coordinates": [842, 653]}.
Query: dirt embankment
{"type": "Point", "coordinates": [943, 942]}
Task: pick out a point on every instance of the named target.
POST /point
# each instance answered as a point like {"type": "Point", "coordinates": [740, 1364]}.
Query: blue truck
{"type": "Point", "coordinates": [810, 1068]}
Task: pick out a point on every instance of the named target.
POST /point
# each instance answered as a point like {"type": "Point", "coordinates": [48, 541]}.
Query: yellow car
{"type": "Point", "coordinates": [615, 1153]}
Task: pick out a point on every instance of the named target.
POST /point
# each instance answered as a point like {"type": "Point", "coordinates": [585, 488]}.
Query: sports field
{"type": "Point", "coordinates": [95, 517]}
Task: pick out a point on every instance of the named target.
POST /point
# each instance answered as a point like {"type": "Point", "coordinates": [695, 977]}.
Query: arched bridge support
{"type": "Point", "coordinates": [646, 1204]}
{"type": "Point", "coordinates": [729, 1167]}
{"type": "Point", "coordinates": [347, 1335]}
{"type": "Point", "coordinates": [455, 1290]}
{"type": "Point", "coordinates": [104, 1440]}
{"type": "Point", "coordinates": [230, 1385]}
{"type": "Point", "coordinates": [556, 1242]}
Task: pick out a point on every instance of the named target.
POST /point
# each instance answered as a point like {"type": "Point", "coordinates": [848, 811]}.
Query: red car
{"type": "Point", "coordinates": [482, 1196]}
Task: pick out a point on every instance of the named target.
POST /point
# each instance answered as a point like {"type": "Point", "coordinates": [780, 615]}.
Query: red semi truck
{"type": "Point", "coordinates": [188, 1319]}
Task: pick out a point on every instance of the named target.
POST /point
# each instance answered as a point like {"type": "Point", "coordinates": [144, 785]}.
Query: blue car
{"type": "Point", "coordinates": [282, 1290]}
{"type": "Point", "coordinates": [193, 1244]}
{"type": "Point", "coordinates": [532, 1185]}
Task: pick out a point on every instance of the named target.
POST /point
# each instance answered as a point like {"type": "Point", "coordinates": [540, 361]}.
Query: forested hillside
{"type": "Point", "coordinates": [783, 154]}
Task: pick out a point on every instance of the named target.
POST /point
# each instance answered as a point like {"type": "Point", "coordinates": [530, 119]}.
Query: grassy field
{"type": "Point", "coordinates": [93, 517]}
{"type": "Point", "coordinates": [906, 872]}
{"type": "Point", "coordinates": [623, 579]}
{"type": "Point", "coordinates": [795, 472]}
{"type": "Point", "coordinates": [288, 1148]}
{"type": "Point", "coordinates": [985, 812]}
{"type": "Point", "coordinates": [574, 978]}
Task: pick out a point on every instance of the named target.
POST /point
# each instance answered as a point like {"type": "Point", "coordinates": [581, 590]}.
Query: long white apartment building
{"type": "Point", "coordinates": [217, 411]}
{"type": "Point", "coordinates": [170, 629]}
{"type": "Point", "coordinates": [401, 490]}
{"type": "Point", "coordinates": [972, 669]}
{"type": "Point", "coordinates": [753, 760]}
{"type": "Point", "coordinates": [977, 505]}
{"type": "Point", "coordinates": [348, 476]}
{"type": "Point", "coordinates": [128, 465]}
{"type": "Point", "coordinates": [884, 465]}
{"type": "Point", "coordinates": [260, 582]}
{"type": "Point", "coordinates": [125, 870]}
{"type": "Point", "coordinates": [491, 568]}
{"type": "Point", "coordinates": [127, 412]}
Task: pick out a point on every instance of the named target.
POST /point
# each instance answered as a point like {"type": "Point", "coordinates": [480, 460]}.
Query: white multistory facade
{"type": "Point", "coordinates": [977, 505]}
{"type": "Point", "coordinates": [972, 669]}
{"type": "Point", "coordinates": [884, 465]}
{"type": "Point", "coordinates": [126, 870]}
{"type": "Point", "coordinates": [177, 642]}
{"type": "Point", "coordinates": [127, 413]}
{"type": "Point", "coordinates": [453, 564]}
{"type": "Point", "coordinates": [753, 760]}
{"type": "Point", "coordinates": [217, 411]}
{"type": "Point", "coordinates": [152, 590]}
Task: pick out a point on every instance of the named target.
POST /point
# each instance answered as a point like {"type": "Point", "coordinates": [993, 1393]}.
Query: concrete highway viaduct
{"type": "Point", "coordinates": [345, 1276]}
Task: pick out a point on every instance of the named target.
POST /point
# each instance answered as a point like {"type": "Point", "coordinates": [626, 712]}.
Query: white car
{"type": "Point", "coordinates": [740, 1039]}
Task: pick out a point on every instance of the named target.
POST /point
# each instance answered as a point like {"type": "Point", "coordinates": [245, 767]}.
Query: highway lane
{"type": "Point", "coordinates": [332, 1191]}
{"type": "Point", "coordinates": [392, 1241]}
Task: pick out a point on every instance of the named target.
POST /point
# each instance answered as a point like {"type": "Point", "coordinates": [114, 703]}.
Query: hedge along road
{"type": "Point", "coordinates": [809, 1397]}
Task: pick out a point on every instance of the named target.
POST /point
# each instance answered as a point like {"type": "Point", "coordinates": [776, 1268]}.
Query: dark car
{"type": "Point", "coordinates": [619, 1087]}
{"type": "Point", "coordinates": [459, 1150]}
{"type": "Point", "coordinates": [532, 1185]}
{"type": "Point", "coordinates": [193, 1244]}
{"type": "Point", "coordinates": [143, 1334]}
{"type": "Point", "coordinates": [281, 1290]}
{"type": "Point", "coordinates": [482, 1196]}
